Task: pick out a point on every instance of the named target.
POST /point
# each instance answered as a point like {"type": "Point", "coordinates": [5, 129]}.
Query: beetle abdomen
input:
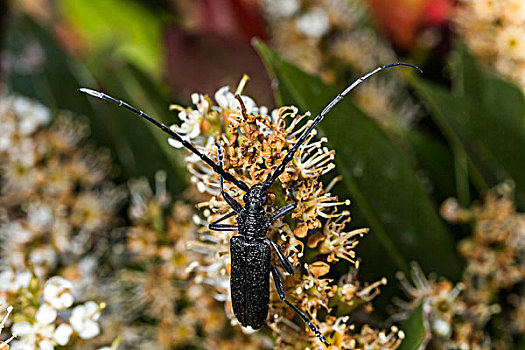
{"type": "Point", "coordinates": [249, 281]}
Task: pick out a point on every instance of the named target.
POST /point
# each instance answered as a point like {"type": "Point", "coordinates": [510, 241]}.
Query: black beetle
{"type": "Point", "coordinates": [250, 248]}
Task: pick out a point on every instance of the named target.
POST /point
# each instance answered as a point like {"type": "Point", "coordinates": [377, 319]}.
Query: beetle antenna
{"type": "Point", "coordinates": [290, 155]}
{"type": "Point", "coordinates": [170, 132]}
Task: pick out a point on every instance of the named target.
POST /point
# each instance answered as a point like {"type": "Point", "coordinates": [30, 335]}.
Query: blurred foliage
{"type": "Point", "coordinates": [124, 28]}
{"type": "Point", "coordinates": [54, 81]}
{"type": "Point", "coordinates": [482, 119]}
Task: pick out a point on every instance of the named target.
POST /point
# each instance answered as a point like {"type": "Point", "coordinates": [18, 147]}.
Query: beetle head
{"type": "Point", "coordinates": [255, 199]}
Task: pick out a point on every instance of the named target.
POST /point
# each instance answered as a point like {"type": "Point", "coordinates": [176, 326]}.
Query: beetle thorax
{"type": "Point", "coordinates": [253, 220]}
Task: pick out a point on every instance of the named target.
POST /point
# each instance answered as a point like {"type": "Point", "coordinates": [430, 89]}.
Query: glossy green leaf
{"type": "Point", "coordinates": [485, 118]}
{"type": "Point", "coordinates": [378, 177]}
{"type": "Point", "coordinates": [416, 334]}
{"type": "Point", "coordinates": [435, 162]}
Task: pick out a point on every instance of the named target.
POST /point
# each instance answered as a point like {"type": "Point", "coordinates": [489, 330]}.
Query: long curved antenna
{"type": "Point", "coordinates": [170, 132]}
{"type": "Point", "coordinates": [289, 156]}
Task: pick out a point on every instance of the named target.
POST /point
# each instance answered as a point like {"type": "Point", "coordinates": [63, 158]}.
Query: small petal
{"type": "Point", "coordinates": [21, 328]}
{"type": "Point", "coordinates": [45, 345]}
{"type": "Point", "coordinates": [46, 314]}
{"type": "Point", "coordinates": [91, 329]}
{"type": "Point", "coordinates": [62, 334]}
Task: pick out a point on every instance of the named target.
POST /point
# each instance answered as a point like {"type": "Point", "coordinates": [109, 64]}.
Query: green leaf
{"type": "Point", "coordinates": [484, 117]}
{"type": "Point", "coordinates": [128, 27]}
{"type": "Point", "coordinates": [377, 176]}
{"type": "Point", "coordinates": [148, 144]}
{"type": "Point", "coordinates": [436, 163]}
{"type": "Point", "coordinates": [448, 111]}
{"type": "Point", "coordinates": [521, 343]}
{"type": "Point", "coordinates": [416, 334]}
{"type": "Point", "coordinates": [54, 81]}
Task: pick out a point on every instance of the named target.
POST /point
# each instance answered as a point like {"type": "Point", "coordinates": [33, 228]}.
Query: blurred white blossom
{"type": "Point", "coordinates": [84, 320]}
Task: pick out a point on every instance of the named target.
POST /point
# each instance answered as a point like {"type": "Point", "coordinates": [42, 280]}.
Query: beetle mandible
{"type": "Point", "coordinates": [250, 248]}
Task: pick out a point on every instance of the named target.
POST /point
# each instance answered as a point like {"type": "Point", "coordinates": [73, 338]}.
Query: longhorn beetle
{"type": "Point", "coordinates": [250, 248]}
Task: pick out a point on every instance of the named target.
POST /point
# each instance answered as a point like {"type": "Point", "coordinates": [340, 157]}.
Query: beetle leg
{"type": "Point", "coordinates": [219, 227]}
{"type": "Point", "coordinates": [229, 199]}
{"type": "Point", "coordinates": [305, 317]}
{"type": "Point", "coordinates": [286, 264]}
{"type": "Point", "coordinates": [227, 216]}
{"type": "Point", "coordinates": [283, 211]}
{"type": "Point", "coordinates": [287, 208]}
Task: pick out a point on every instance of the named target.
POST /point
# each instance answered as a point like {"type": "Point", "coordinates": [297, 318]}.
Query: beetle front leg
{"type": "Point", "coordinates": [218, 227]}
{"type": "Point", "coordinates": [305, 317]}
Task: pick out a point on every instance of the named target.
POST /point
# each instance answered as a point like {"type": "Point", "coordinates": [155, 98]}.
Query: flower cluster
{"type": "Point", "coordinates": [55, 203]}
{"type": "Point", "coordinates": [493, 30]}
{"type": "Point", "coordinates": [55, 197]}
{"type": "Point", "coordinates": [254, 141]}
{"type": "Point", "coordinates": [47, 317]}
{"type": "Point", "coordinates": [450, 321]}
{"type": "Point", "coordinates": [332, 38]}
{"type": "Point", "coordinates": [491, 289]}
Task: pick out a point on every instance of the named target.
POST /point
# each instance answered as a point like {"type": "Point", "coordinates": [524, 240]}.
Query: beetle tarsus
{"type": "Point", "coordinates": [305, 317]}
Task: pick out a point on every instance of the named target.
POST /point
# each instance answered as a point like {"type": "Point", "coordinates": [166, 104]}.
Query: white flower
{"type": "Point", "coordinates": [202, 104]}
{"type": "Point", "coordinates": [57, 292]}
{"type": "Point", "coordinates": [314, 23]}
{"type": "Point", "coordinates": [45, 345]}
{"type": "Point", "coordinates": [441, 327]}
{"type": "Point", "coordinates": [33, 336]}
{"type": "Point", "coordinates": [226, 100]}
{"type": "Point", "coordinates": [511, 42]}
{"type": "Point", "coordinates": [21, 328]}
{"type": "Point", "coordinates": [16, 233]}
{"type": "Point", "coordinates": [22, 345]}
{"type": "Point", "coordinates": [284, 8]}
{"type": "Point", "coordinates": [11, 281]}
{"type": "Point", "coordinates": [23, 279]}
{"type": "Point", "coordinates": [62, 334]}
{"type": "Point", "coordinates": [43, 259]}
{"type": "Point", "coordinates": [31, 115]}
{"type": "Point", "coordinates": [190, 127]}
{"type": "Point", "coordinates": [46, 314]}
{"type": "Point", "coordinates": [83, 319]}
{"type": "Point", "coordinates": [7, 130]}
{"type": "Point", "coordinates": [40, 216]}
